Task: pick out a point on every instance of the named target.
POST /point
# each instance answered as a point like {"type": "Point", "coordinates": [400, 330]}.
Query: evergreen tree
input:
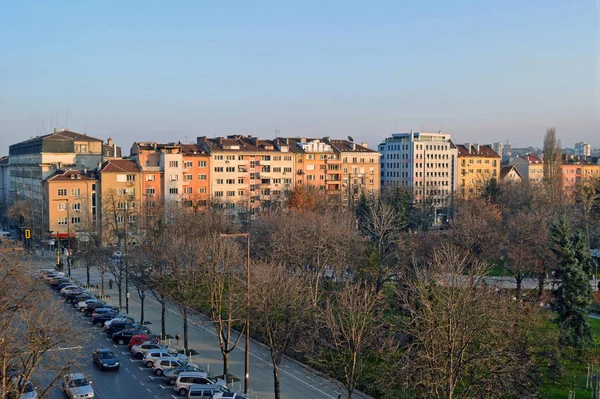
{"type": "Point", "coordinates": [574, 294]}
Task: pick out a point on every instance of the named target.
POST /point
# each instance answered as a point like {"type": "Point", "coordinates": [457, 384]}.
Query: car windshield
{"type": "Point", "coordinates": [80, 382]}
{"type": "Point", "coordinates": [107, 355]}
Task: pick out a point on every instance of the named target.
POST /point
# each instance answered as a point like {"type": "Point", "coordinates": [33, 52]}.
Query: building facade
{"type": "Point", "coordinates": [531, 168]}
{"type": "Point", "coordinates": [423, 163]}
{"type": "Point", "coordinates": [477, 165]}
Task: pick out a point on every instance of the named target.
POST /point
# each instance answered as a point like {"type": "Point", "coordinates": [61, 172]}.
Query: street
{"type": "Point", "coordinates": [134, 380]}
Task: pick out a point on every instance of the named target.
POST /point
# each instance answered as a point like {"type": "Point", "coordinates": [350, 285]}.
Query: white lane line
{"type": "Point", "coordinates": [134, 376]}
{"type": "Point", "coordinates": [148, 389]}
{"type": "Point", "coordinates": [141, 383]}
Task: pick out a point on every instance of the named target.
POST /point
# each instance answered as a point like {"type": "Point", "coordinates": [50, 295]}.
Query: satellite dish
{"type": "Point", "coordinates": [350, 138]}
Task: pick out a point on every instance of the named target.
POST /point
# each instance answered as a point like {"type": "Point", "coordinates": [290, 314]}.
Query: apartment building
{"type": "Point", "coordinates": [510, 174]}
{"type": "Point", "coordinates": [69, 203]}
{"type": "Point", "coordinates": [583, 150]}
{"type": "Point", "coordinates": [424, 163]}
{"type": "Point", "coordinates": [360, 169]}
{"type": "Point", "coordinates": [173, 172]}
{"type": "Point", "coordinates": [530, 166]}
{"type": "Point", "coordinates": [36, 159]}
{"type": "Point", "coordinates": [247, 172]}
{"type": "Point", "coordinates": [120, 200]}
{"type": "Point", "coordinates": [316, 164]}
{"type": "Point", "coordinates": [477, 165]}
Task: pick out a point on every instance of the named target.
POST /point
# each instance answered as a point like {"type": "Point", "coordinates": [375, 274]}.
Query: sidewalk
{"type": "Point", "coordinates": [297, 381]}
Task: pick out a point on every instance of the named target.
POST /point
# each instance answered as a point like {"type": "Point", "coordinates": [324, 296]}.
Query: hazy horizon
{"type": "Point", "coordinates": [142, 71]}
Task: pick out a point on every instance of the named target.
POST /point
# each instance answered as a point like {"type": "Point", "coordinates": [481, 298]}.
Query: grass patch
{"type": "Point", "coordinates": [574, 377]}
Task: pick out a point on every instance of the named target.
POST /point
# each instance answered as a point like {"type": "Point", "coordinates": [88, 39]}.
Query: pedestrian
{"type": "Point", "coordinates": [110, 284]}
{"type": "Point", "coordinates": [177, 338]}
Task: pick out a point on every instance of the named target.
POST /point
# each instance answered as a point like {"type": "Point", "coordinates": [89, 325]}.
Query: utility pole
{"type": "Point", "coordinates": [247, 342]}
{"type": "Point", "coordinates": [126, 222]}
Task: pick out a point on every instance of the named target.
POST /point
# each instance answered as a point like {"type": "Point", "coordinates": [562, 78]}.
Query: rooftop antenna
{"type": "Point", "coordinates": [56, 112]}
{"type": "Point", "coordinates": [277, 132]}
{"type": "Point", "coordinates": [186, 138]}
{"type": "Point", "coordinates": [67, 118]}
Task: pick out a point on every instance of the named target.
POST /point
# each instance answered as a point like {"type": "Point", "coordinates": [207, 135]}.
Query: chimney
{"type": "Point", "coordinates": [468, 147]}
{"type": "Point", "coordinates": [256, 141]}
{"type": "Point", "coordinates": [366, 145]}
{"type": "Point", "coordinates": [353, 146]}
{"type": "Point", "coordinates": [114, 150]}
{"type": "Point", "coordinates": [109, 142]}
{"type": "Point", "coordinates": [220, 140]}
{"type": "Point", "coordinates": [476, 147]}
{"type": "Point", "coordinates": [55, 130]}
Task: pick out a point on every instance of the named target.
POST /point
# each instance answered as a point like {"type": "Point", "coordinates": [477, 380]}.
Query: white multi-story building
{"type": "Point", "coordinates": [425, 163]}
{"type": "Point", "coordinates": [583, 149]}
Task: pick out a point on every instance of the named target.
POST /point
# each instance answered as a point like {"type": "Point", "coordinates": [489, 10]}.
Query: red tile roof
{"type": "Point", "coordinates": [532, 158]}
{"type": "Point", "coordinates": [119, 166]}
{"type": "Point", "coordinates": [505, 170]}
{"type": "Point", "coordinates": [69, 135]}
{"type": "Point", "coordinates": [62, 175]}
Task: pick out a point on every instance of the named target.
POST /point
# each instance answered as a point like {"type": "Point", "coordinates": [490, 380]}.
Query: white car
{"type": "Point", "coordinates": [228, 395]}
{"type": "Point", "coordinates": [51, 276]}
{"type": "Point", "coordinates": [140, 350]}
{"type": "Point", "coordinates": [69, 288]}
{"type": "Point", "coordinates": [164, 364]}
{"type": "Point", "coordinates": [108, 323]}
{"type": "Point", "coordinates": [151, 356]}
{"type": "Point", "coordinates": [77, 386]}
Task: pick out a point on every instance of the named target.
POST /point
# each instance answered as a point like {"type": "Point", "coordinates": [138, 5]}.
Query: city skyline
{"type": "Point", "coordinates": [142, 72]}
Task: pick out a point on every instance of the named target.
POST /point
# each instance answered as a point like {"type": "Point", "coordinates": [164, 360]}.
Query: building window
{"type": "Point", "coordinates": [76, 220]}
{"type": "Point", "coordinates": [187, 177]}
{"type": "Point", "coordinates": [219, 157]}
{"type": "Point", "coordinates": [150, 191]}
{"type": "Point", "coordinates": [76, 192]}
{"type": "Point", "coordinates": [218, 193]}
{"type": "Point", "coordinates": [62, 206]}
{"type": "Point", "coordinates": [240, 193]}
{"type": "Point", "coordinates": [202, 164]}
{"type": "Point", "coordinates": [277, 170]}
{"type": "Point", "coordinates": [130, 177]}
{"type": "Point", "coordinates": [240, 157]}
{"type": "Point", "coordinates": [231, 193]}
{"type": "Point", "coordinates": [310, 156]}
{"type": "Point", "coordinates": [173, 190]}
{"type": "Point", "coordinates": [287, 170]}
{"type": "Point", "coordinates": [218, 169]}
{"type": "Point", "coordinates": [187, 190]}
{"type": "Point", "coordinates": [62, 221]}
{"type": "Point", "coordinates": [201, 177]}
{"type": "Point", "coordinates": [240, 180]}
{"type": "Point", "coordinates": [287, 158]}
{"type": "Point", "coordinates": [230, 169]}
{"type": "Point", "coordinates": [230, 181]}
{"type": "Point", "coordinates": [188, 164]}
{"type": "Point", "coordinates": [173, 178]}
{"type": "Point", "coordinates": [218, 181]}
{"type": "Point", "coordinates": [131, 218]}
{"type": "Point", "coordinates": [173, 164]}
{"type": "Point", "coordinates": [287, 181]}
{"type": "Point", "coordinates": [202, 190]}
{"type": "Point", "coordinates": [120, 219]}
{"type": "Point", "coordinates": [149, 177]}
{"type": "Point", "coordinates": [76, 206]}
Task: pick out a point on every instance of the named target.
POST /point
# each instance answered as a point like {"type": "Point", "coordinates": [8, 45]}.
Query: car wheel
{"type": "Point", "coordinates": [121, 341]}
{"type": "Point", "coordinates": [172, 381]}
{"type": "Point", "coordinates": [82, 310]}
{"type": "Point", "coordinates": [158, 372]}
{"type": "Point", "coordinates": [99, 324]}
{"type": "Point", "coordinates": [183, 391]}
{"type": "Point", "coordinates": [139, 355]}
{"type": "Point", "coordinates": [149, 364]}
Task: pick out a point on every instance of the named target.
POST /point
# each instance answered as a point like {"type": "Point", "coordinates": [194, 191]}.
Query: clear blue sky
{"type": "Point", "coordinates": [155, 70]}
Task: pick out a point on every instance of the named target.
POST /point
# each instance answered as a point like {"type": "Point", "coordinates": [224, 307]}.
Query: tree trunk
{"type": "Point", "coordinates": [120, 295]}
{"type": "Point", "coordinates": [102, 280]}
{"type": "Point", "coordinates": [225, 364]}
{"type": "Point", "coordinates": [163, 315]}
{"type": "Point", "coordinates": [541, 283]}
{"type": "Point", "coordinates": [519, 280]}
{"type": "Point", "coordinates": [142, 298]}
{"type": "Point", "coordinates": [185, 329]}
{"type": "Point", "coordinates": [87, 272]}
{"type": "Point", "coordinates": [276, 381]}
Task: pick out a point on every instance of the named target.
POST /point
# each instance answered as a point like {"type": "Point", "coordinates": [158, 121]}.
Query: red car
{"type": "Point", "coordinates": [140, 338]}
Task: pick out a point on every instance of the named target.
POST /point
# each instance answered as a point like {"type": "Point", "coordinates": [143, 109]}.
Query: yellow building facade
{"type": "Point", "coordinates": [477, 165]}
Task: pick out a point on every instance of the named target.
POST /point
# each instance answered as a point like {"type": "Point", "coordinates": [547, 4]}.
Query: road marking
{"type": "Point", "coordinates": [156, 397]}
{"type": "Point", "coordinates": [125, 353]}
{"type": "Point", "coordinates": [134, 376]}
{"type": "Point", "coordinates": [148, 389]}
{"type": "Point", "coordinates": [152, 378]}
{"type": "Point", "coordinates": [141, 383]}
{"type": "Point", "coordinates": [163, 387]}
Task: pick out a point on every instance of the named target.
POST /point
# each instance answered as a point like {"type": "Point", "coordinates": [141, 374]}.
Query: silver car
{"type": "Point", "coordinates": [77, 386]}
{"type": "Point", "coordinates": [151, 356]}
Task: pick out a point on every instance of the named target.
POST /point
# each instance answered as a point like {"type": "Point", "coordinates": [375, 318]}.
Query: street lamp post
{"type": "Point", "coordinates": [247, 343]}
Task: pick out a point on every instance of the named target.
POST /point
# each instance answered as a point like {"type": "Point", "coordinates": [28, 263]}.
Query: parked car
{"type": "Point", "coordinates": [165, 364]}
{"type": "Point", "coordinates": [154, 354]}
{"type": "Point", "coordinates": [59, 283]}
{"type": "Point", "coordinates": [16, 385]}
{"type": "Point", "coordinates": [116, 327]}
{"type": "Point", "coordinates": [99, 320]}
{"type": "Point", "coordinates": [77, 386]}
{"type": "Point", "coordinates": [123, 318]}
{"type": "Point", "coordinates": [105, 359]}
{"type": "Point", "coordinates": [68, 288]}
{"type": "Point", "coordinates": [228, 395]}
{"type": "Point", "coordinates": [124, 336]}
{"type": "Point", "coordinates": [138, 351]}
{"type": "Point", "coordinates": [205, 391]}
{"type": "Point", "coordinates": [171, 375]}
{"type": "Point", "coordinates": [185, 380]}
{"type": "Point", "coordinates": [139, 339]}
{"type": "Point", "coordinates": [76, 298]}
{"type": "Point", "coordinates": [90, 307]}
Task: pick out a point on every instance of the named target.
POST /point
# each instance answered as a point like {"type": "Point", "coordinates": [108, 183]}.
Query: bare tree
{"type": "Point", "coordinates": [28, 343]}
{"type": "Point", "coordinates": [281, 309]}
{"type": "Point", "coordinates": [350, 330]}
{"type": "Point", "coordinates": [552, 160]}
{"type": "Point", "coordinates": [463, 338]}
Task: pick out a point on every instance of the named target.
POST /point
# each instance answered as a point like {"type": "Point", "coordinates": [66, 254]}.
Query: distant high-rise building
{"type": "Point", "coordinates": [425, 163]}
{"type": "Point", "coordinates": [583, 149]}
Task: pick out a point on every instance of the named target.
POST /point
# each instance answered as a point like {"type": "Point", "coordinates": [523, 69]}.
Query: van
{"type": "Point", "coordinates": [206, 391]}
{"type": "Point", "coordinates": [185, 380]}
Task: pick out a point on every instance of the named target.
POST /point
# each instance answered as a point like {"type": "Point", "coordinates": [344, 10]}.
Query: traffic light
{"type": "Point", "coordinates": [27, 234]}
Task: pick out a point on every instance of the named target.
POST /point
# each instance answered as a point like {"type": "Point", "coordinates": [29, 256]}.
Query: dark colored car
{"type": "Point", "coordinates": [116, 327]}
{"type": "Point", "coordinates": [105, 359]}
{"type": "Point", "coordinates": [124, 336]}
{"type": "Point", "coordinates": [71, 295]}
{"type": "Point", "coordinates": [74, 300]}
{"type": "Point", "coordinates": [58, 282]}
{"type": "Point", "coordinates": [93, 306]}
{"type": "Point", "coordinates": [107, 309]}
{"type": "Point", "coordinates": [98, 320]}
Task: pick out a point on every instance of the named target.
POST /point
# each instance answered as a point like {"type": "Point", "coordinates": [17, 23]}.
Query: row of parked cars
{"type": "Point", "coordinates": [187, 379]}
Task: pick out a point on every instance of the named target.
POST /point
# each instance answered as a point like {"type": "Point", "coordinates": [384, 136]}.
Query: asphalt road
{"type": "Point", "coordinates": [134, 381]}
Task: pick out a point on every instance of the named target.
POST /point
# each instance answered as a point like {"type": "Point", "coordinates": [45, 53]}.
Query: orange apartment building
{"type": "Point", "coordinates": [69, 203]}
{"type": "Point", "coordinates": [173, 172]}
{"type": "Point", "coordinates": [120, 200]}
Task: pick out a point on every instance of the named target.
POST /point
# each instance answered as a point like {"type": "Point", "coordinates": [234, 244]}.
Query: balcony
{"type": "Point", "coordinates": [333, 161]}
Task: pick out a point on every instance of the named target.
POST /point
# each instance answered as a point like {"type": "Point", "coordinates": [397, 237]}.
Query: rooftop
{"type": "Point", "coordinates": [119, 166]}
{"type": "Point", "coordinates": [483, 151]}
